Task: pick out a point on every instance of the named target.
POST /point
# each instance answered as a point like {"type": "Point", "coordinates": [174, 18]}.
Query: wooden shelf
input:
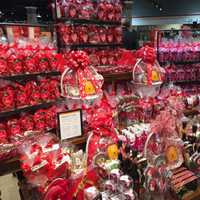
{"type": "Point", "coordinates": [190, 112]}
{"type": "Point", "coordinates": [192, 195]}
{"type": "Point", "coordinates": [17, 111]}
{"type": "Point", "coordinates": [117, 76]}
{"type": "Point", "coordinates": [180, 62]}
{"type": "Point", "coordinates": [187, 82]}
{"type": "Point", "coordinates": [88, 21]}
{"type": "Point", "coordinates": [9, 166]}
{"type": "Point", "coordinates": [81, 46]}
{"type": "Point", "coordinates": [29, 76]}
{"type": "Point", "coordinates": [78, 140]}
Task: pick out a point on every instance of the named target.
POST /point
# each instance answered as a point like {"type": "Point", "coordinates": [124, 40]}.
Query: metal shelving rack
{"type": "Point", "coordinates": [176, 33]}
{"type": "Point", "coordinates": [12, 165]}
{"type": "Point", "coordinates": [170, 34]}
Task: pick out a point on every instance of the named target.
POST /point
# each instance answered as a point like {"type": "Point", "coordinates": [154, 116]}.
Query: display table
{"type": "Point", "coordinates": [9, 166]}
{"type": "Point", "coordinates": [192, 195]}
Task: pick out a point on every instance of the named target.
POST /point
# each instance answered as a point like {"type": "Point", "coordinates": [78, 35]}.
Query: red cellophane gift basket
{"type": "Point", "coordinates": [147, 73]}
{"type": "Point", "coordinates": [79, 80]}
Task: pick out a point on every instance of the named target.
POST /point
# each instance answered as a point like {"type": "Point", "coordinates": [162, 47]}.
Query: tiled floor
{"type": "Point", "coordinates": [9, 188]}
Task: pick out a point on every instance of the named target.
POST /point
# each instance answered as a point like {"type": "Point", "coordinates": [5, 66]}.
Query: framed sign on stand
{"type": "Point", "coordinates": [70, 124]}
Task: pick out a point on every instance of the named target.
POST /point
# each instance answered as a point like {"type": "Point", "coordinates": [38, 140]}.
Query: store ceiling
{"type": "Point", "coordinates": [14, 10]}
{"type": "Point", "coordinates": [12, 3]}
{"type": "Point", "coordinates": [165, 7]}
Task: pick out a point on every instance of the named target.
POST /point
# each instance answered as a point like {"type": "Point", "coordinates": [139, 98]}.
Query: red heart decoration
{"type": "Point", "coordinates": [103, 37]}
{"type": "Point", "coordinates": [85, 38]}
{"type": "Point", "coordinates": [66, 38]}
{"type": "Point", "coordinates": [72, 12]}
{"type": "Point", "coordinates": [104, 60]}
{"type": "Point", "coordinates": [100, 15]}
{"type": "Point", "coordinates": [111, 60]}
{"type": "Point", "coordinates": [110, 38]}
{"type": "Point", "coordinates": [74, 37]}
{"type": "Point", "coordinates": [118, 39]}
{"type": "Point", "coordinates": [110, 16]}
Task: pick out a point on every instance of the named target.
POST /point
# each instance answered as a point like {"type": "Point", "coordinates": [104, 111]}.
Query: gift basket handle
{"type": "Point", "coordinates": [87, 145]}
{"type": "Point", "coordinates": [134, 68]}
{"type": "Point", "coordinates": [62, 82]}
{"type": "Point", "coordinates": [146, 143]}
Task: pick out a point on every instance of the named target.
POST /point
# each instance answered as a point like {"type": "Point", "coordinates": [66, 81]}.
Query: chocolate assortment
{"type": "Point", "coordinates": [89, 34]}
{"type": "Point", "coordinates": [104, 10]}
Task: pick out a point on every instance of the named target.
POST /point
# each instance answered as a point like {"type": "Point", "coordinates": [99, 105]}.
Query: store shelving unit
{"type": "Point", "coordinates": [173, 35]}
{"type": "Point", "coordinates": [79, 21]}
{"type": "Point", "coordinates": [12, 165]}
{"type": "Point", "coordinates": [175, 59]}
{"type": "Point", "coordinates": [111, 77]}
{"type": "Point", "coordinates": [76, 21]}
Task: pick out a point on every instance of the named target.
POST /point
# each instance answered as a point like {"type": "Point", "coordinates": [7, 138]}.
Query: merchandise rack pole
{"type": "Point", "coordinates": [157, 42]}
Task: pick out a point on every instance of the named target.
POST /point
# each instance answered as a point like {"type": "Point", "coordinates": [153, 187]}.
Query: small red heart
{"type": "Point", "coordinates": [66, 38]}
{"type": "Point", "coordinates": [74, 37]}
{"type": "Point", "coordinates": [104, 60]}
{"type": "Point", "coordinates": [118, 39]}
{"type": "Point", "coordinates": [110, 16]}
{"type": "Point", "coordinates": [100, 15]}
{"type": "Point", "coordinates": [110, 38]}
{"type": "Point", "coordinates": [85, 38]}
{"type": "Point", "coordinates": [111, 60]}
{"type": "Point", "coordinates": [72, 12]}
{"type": "Point", "coordinates": [103, 37]}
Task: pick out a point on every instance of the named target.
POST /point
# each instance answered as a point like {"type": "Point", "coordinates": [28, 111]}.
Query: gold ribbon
{"type": "Point", "coordinates": [82, 184]}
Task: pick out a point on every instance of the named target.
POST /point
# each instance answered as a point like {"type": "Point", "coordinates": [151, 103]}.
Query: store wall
{"type": "Point", "coordinates": [169, 26]}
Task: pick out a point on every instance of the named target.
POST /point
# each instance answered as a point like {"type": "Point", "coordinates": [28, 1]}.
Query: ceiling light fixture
{"type": "Point", "coordinates": [39, 16]}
